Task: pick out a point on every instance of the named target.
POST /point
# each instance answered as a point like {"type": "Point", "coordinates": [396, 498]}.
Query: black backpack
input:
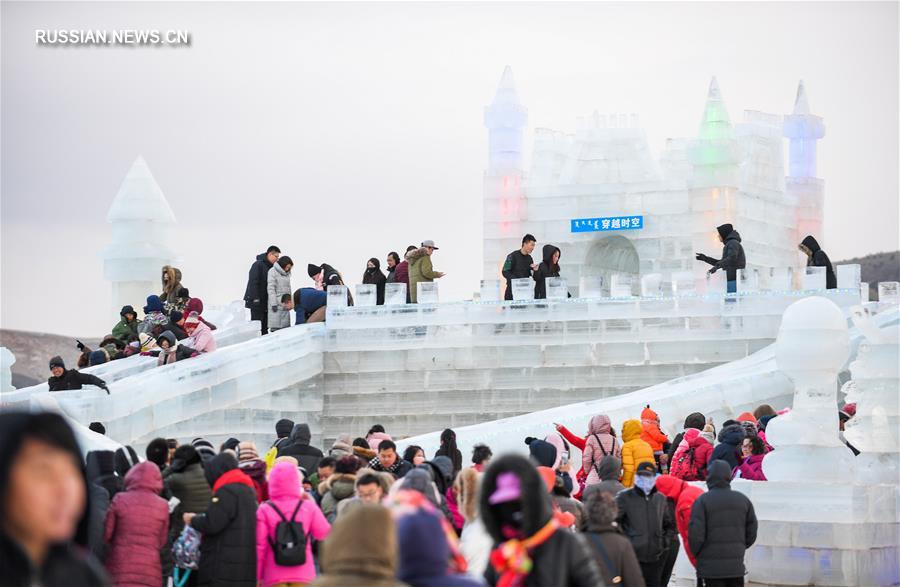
{"type": "Point", "coordinates": [289, 545]}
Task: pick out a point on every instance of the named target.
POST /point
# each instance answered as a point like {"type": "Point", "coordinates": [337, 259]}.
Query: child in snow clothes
{"type": "Point", "coordinates": [196, 305]}
{"type": "Point", "coordinates": [171, 351]}
{"type": "Point", "coordinates": [127, 326]}
{"type": "Point", "coordinates": [201, 337]}
{"type": "Point", "coordinates": [598, 444]}
{"type": "Point", "coordinates": [651, 433]}
{"type": "Point", "coordinates": [255, 468]}
{"type": "Point", "coordinates": [137, 527]}
{"type": "Point", "coordinates": [692, 456]}
{"type": "Point", "coordinates": [634, 452]}
{"type": "Point", "coordinates": [286, 500]}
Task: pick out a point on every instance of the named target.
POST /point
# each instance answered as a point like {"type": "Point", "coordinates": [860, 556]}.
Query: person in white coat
{"type": "Point", "coordinates": [279, 284]}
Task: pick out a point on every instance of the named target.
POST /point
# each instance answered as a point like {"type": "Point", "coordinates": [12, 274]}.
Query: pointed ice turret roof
{"type": "Point", "coordinates": [801, 102]}
{"type": "Point", "coordinates": [506, 89]}
{"type": "Point", "coordinates": [716, 122]}
{"type": "Point", "coordinates": [140, 197]}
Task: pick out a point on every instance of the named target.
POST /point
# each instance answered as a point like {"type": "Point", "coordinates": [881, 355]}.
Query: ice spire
{"type": "Point", "coordinates": [716, 123]}
{"type": "Point", "coordinates": [802, 130]}
{"type": "Point", "coordinates": [801, 103]}
{"type": "Point", "coordinates": [142, 222]}
{"type": "Point", "coordinates": [505, 120]}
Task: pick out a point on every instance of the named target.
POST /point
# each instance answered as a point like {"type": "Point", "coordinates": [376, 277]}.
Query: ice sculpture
{"type": "Point", "coordinates": [142, 224]}
{"type": "Point", "coordinates": [812, 347]}
{"type": "Point", "coordinates": [875, 429]}
{"type": "Point", "coordinates": [7, 359]}
{"type": "Point", "coordinates": [599, 195]}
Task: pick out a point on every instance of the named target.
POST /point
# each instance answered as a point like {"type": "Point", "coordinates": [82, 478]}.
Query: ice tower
{"type": "Point", "coordinates": [141, 238]}
{"type": "Point", "coordinates": [504, 202]}
{"type": "Point", "coordinates": [802, 130]}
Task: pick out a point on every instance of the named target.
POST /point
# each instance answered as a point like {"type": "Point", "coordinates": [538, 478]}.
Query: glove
{"type": "Point", "coordinates": [105, 388]}
{"type": "Point", "coordinates": [701, 257]}
{"type": "Point", "coordinates": [80, 346]}
{"type": "Point", "coordinates": [274, 308]}
{"type": "Point", "coordinates": [713, 270]}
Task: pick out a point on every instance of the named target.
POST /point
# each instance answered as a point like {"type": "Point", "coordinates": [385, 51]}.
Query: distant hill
{"type": "Point", "coordinates": [877, 267]}
{"type": "Point", "coordinates": [33, 351]}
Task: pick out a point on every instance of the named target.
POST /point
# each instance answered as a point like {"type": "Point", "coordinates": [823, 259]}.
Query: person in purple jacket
{"type": "Point", "coordinates": [753, 450]}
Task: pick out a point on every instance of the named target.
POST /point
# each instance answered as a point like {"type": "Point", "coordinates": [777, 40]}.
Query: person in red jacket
{"type": "Point", "coordinates": [579, 443]}
{"type": "Point", "coordinates": [137, 527]}
{"type": "Point", "coordinates": [684, 495]}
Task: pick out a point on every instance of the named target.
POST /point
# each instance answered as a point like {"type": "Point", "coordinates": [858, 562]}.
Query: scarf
{"type": "Point", "coordinates": [512, 560]}
{"type": "Point", "coordinates": [233, 476]}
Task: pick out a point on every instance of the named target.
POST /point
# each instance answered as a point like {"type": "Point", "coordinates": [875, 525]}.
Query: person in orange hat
{"type": "Point", "coordinates": [655, 437]}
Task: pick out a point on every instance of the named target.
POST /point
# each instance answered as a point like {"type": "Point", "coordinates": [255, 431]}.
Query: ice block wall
{"type": "Point", "coordinates": [420, 368]}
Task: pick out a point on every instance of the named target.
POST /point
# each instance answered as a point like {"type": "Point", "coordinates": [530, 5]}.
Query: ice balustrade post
{"type": "Point", "coordinates": [651, 285]}
{"type": "Point", "coordinates": [337, 297]}
{"type": "Point", "coordinates": [620, 285]}
{"type": "Point", "coordinates": [523, 289]}
{"type": "Point", "coordinates": [490, 290]}
{"type": "Point", "coordinates": [557, 289]}
{"type": "Point", "coordinates": [591, 287]}
{"type": "Point", "coordinates": [864, 292]}
{"type": "Point", "coordinates": [748, 280]}
{"type": "Point", "coordinates": [814, 278]}
{"type": "Point", "coordinates": [848, 276]}
{"type": "Point", "coordinates": [366, 295]}
{"type": "Point", "coordinates": [427, 292]}
{"type": "Point", "coordinates": [394, 294]}
{"type": "Point", "coordinates": [889, 292]}
{"type": "Point", "coordinates": [683, 283]}
{"type": "Point", "coordinates": [812, 346]}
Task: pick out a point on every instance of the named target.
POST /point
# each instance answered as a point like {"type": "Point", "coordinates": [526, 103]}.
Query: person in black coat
{"type": "Point", "coordinates": [256, 295]}
{"type": "Point", "coordinates": [228, 527]}
{"type": "Point", "coordinates": [298, 447]}
{"type": "Point", "coordinates": [515, 505]}
{"type": "Point", "coordinates": [549, 267]}
{"type": "Point", "coordinates": [101, 469]}
{"type": "Point", "coordinates": [65, 379]}
{"type": "Point", "coordinates": [816, 257]}
{"type": "Point", "coordinates": [374, 276]}
{"type": "Point", "coordinates": [519, 264]}
{"type": "Point", "coordinates": [730, 439]}
{"type": "Point", "coordinates": [733, 257]}
{"type": "Point", "coordinates": [723, 526]}
{"type": "Point", "coordinates": [47, 505]}
{"type": "Point", "coordinates": [645, 517]}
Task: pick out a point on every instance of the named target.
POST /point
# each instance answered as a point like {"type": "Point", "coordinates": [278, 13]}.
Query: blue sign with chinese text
{"type": "Point", "coordinates": [610, 223]}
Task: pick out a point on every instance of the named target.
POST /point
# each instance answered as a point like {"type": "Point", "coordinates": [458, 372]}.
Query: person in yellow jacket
{"type": "Point", "coordinates": [420, 268]}
{"type": "Point", "coordinates": [634, 452]}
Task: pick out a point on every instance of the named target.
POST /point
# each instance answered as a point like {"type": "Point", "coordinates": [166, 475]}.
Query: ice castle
{"type": "Point", "coordinates": [644, 327]}
{"type": "Point", "coordinates": [599, 195]}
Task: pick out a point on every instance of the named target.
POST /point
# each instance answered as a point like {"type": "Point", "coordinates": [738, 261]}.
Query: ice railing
{"type": "Point", "coordinates": [720, 392]}
{"type": "Point", "coordinates": [170, 394]}
{"type": "Point", "coordinates": [231, 328]}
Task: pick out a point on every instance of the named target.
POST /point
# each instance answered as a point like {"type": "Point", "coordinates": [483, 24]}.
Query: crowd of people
{"type": "Point", "coordinates": [362, 513]}
{"type": "Point", "coordinates": [173, 329]}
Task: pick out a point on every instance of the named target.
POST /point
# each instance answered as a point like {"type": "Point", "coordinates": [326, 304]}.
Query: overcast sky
{"type": "Point", "coordinates": [344, 131]}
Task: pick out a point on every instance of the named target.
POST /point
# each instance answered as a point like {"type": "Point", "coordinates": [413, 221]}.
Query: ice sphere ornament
{"type": "Point", "coordinates": [812, 347]}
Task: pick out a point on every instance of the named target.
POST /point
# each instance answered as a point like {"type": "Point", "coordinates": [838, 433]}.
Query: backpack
{"type": "Point", "coordinates": [612, 451]}
{"type": "Point", "coordinates": [685, 468]}
{"type": "Point", "coordinates": [289, 544]}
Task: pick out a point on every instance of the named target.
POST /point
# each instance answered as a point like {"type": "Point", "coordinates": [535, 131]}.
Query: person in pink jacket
{"type": "Point", "coordinates": [753, 451]}
{"type": "Point", "coordinates": [285, 494]}
{"type": "Point", "coordinates": [599, 442]}
{"type": "Point", "coordinates": [202, 339]}
{"type": "Point", "coordinates": [691, 458]}
{"type": "Point", "coordinates": [137, 526]}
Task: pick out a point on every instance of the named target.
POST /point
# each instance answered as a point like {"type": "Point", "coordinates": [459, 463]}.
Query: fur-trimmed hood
{"type": "Point", "coordinates": [174, 283]}
{"type": "Point", "coordinates": [415, 255]}
{"type": "Point", "coordinates": [341, 486]}
{"type": "Point", "coordinates": [467, 485]}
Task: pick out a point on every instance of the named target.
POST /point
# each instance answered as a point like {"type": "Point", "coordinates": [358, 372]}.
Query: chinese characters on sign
{"type": "Point", "coordinates": [611, 223]}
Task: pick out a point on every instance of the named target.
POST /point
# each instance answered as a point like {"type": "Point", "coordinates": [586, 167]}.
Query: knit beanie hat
{"type": "Point", "coordinates": [57, 362]}
{"type": "Point", "coordinates": [283, 427]}
{"type": "Point", "coordinates": [97, 427]}
{"type": "Point", "coordinates": [204, 447]}
{"type": "Point", "coordinates": [247, 452]}
{"type": "Point", "coordinates": [97, 357]}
